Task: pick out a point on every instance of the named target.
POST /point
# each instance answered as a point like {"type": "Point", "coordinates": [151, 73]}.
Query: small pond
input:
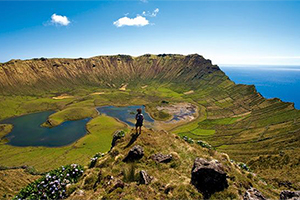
{"type": "Point", "coordinates": [27, 131]}
{"type": "Point", "coordinates": [126, 114]}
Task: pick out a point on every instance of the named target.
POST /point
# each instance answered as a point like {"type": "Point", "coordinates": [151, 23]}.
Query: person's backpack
{"type": "Point", "coordinates": [140, 118]}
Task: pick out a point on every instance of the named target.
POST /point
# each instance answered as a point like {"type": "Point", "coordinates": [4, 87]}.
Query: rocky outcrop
{"type": "Point", "coordinates": [145, 178]}
{"type": "Point", "coordinates": [290, 195]}
{"type": "Point", "coordinates": [161, 158]}
{"type": "Point", "coordinates": [253, 194]}
{"type": "Point", "coordinates": [117, 135]}
{"type": "Point", "coordinates": [208, 176]}
{"type": "Point", "coordinates": [135, 153]}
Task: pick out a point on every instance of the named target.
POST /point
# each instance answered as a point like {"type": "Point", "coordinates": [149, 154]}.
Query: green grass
{"type": "Point", "coordinates": [5, 129]}
{"type": "Point", "coordinates": [203, 132]}
{"type": "Point", "coordinates": [68, 114]}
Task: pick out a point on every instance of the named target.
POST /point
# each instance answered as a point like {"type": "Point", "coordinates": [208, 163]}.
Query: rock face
{"type": "Point", "coordinates": [161, 158]}
{"type": "Point", "coordinates": [145, 178]}
{"type": "Point", "coordinates": [290, 195]}
{"type": "Point", "coordinates": [28, 76]}
{"type": "Point", "coordinates": [208, 176]}
{"type": "Point", "coordinates": [135, 153]}
{"type": "Point", "coordinates": [253, 194]}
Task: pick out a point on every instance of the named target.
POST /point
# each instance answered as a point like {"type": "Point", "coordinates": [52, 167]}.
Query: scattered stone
{"type": "Point", "coordinates": [135, 153]}
{"type": "Point", "coordinates": [145, 178]}
{"type": "Point", "coordinates": [253, 194]}
{"type": "Point", "coordinates": [161, 158]}
{"type": "Point", "coordinates": [208, 176]}
{"type": "Point", "coordinates": [118, 184]}
{"type": "Point", "coordinates": [290, 195]}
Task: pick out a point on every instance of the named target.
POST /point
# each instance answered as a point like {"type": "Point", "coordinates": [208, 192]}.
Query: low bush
{"type": "Point", "coordinates": [204, 144]}
{"type": "Point", "coordinates": [187, 139]}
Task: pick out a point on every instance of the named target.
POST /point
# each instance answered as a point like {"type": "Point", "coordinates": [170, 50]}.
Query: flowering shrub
{"type": "Point", "coordinates": [95, 158]}
{"type": "Point", "coordinates": [53, 184]}
{"type": "Point", "coordinates": [187, 139]}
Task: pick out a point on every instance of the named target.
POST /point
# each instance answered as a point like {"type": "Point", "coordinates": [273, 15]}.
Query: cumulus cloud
{"type": "Point", "coordinates": [139, 20]}
{"type": "Point", "coordinates": [126, 21]}
{"type": "Point", "coordinates": [60, 20]}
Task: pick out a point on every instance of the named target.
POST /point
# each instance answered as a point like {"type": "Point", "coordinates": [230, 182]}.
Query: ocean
{"type": "Point", "coordinates": [271, 81]}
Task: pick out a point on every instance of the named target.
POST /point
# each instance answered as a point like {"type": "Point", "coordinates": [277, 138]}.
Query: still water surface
{"type": "Point", "coordinates": [27, 131]}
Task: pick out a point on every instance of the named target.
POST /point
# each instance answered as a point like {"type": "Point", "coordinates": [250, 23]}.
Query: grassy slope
{"type": "Point", "coordinates": [9, 184]}
{"type": "Point", "coordinates": [174, 176]}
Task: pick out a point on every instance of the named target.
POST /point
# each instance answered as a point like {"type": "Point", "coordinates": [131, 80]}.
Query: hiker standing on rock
{"type": "Point", "coordinates": [139, 121]}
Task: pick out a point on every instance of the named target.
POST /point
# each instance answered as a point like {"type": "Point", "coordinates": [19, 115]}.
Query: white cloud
{"type": "Point", "coordinates": [139, 20]}
{"type": "Point", "coordinates": [60, 20]}
{"type": "Point", "coordinates": [126, 21]}
{"type": "Point", "coordinates": [151, 14]}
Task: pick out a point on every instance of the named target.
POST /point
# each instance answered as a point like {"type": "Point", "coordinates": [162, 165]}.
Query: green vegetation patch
{"type": "Point", "coordinates": [68, 114]}
{"type": "Point", "coordinates": [203, 132]}
{"type": "Point", "coordinates": [159, 115]}
{"type": "Point", "coordinates": [5, 129]}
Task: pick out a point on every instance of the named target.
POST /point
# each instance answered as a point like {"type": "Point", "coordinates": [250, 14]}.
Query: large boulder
{"type": "Point", "coordinates": [161, 158]}
{"type": "Point", "coordinates": [145, 178]}
{"type": "Point", "coordinates": [290, 195]}
{"type": "Point", "coordinates": [253, 194]}
{"type": "Point", "coordinates": [135, 153]}
{"type": "Point", "coordinates": [208, 176]}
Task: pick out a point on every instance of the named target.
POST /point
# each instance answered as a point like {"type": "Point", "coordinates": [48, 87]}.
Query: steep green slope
{"type": "Point", "coordinates": [38, 76]}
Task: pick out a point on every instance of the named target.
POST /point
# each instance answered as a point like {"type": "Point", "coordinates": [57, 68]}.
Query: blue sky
{"type": "Point", "coordinates": [227, 32]}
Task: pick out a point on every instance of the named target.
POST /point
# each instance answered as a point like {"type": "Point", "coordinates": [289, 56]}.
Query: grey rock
{"type": "Point", "coordinates": [290, 195]}
{"type": "Point", "coordinates": [135, 153]}
{"type": "Point", "coordinates": [208, 176]}
{"type": "Point", "coordinates": [118, 184]}
{"type": "Point", "coordinates": [145, 178]}
{"type": "Point", "coordinates": [161, 158]}
{"type": "Point", "coordinates": [253, 194]}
